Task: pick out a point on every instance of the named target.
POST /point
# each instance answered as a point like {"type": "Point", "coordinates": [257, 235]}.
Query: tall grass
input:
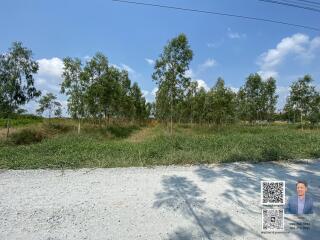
{"type": "Point", "coordinates": [109, 147]}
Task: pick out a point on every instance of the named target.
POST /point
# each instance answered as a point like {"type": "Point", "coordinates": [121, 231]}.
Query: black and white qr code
{"type": "Point", "coordinates": [272, 220]}
{"type": "Point", "coordinates": [272, 192]}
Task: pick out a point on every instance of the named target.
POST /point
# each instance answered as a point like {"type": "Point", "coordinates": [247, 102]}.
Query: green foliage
{"type": "Point", "coordinates": [188, 145]}
{"type": "Point", "coordinates": [74, 87]}
{"type": "Point", "coordinates": [257, 99]}
{"type": "Point", "coordinates": [16, 78]}
{"type": "Point", "coordinates": [19, 122]}
{"type": "Point", "coordinates": [303, 102]}
{"type": "Point", "coordinates": [121, 131]}
{"type": "Point", "coordinates": [220, 104]}
{"type": "Point", "coordinates": [100, 91]}
{"type": "Point", "coordinates": [49, 103]}
{"type": "Point", "coordinates": [57, 127]}
{"type": "Point", "coordinates": [27, 136]}
{"type": "Point", "coordinates": [170, 75]}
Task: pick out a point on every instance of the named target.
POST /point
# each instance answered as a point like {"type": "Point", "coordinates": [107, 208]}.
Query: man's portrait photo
{"type": "Point", "coordinates": [301, 203]}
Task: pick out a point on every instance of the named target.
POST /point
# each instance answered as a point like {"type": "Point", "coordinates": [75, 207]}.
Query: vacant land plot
{"type": "Point", "coordinates": [57, 145]}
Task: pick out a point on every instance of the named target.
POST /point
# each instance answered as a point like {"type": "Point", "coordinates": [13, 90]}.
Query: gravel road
{"type": "Point", "coordinates": [175, 202]}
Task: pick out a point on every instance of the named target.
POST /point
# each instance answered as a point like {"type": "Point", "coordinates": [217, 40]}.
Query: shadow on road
{"type": "Point", "coordinates": [182, 195]}
{"type": "Point", "coordinates": [244, 180]}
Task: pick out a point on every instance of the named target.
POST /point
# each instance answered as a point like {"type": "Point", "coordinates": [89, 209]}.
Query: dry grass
{"type": "Point", "coordinates": [3, 132]}
{"type": "Point", "coordinates": [142, 135]}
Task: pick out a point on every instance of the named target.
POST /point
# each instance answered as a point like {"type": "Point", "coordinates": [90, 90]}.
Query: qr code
{"type": "Point", "coordinates": [272, 192]}
{"type": "Point", "coordinates": [272, 220]}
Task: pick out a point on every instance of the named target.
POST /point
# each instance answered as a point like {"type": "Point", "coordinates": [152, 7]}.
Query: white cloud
{"type": "Point", "coordinates": [150, 95]}
{"type": "Point", "coordinates": [51, 67]}
{"type": "Point", "coordinates": [209, 63]}
{"type": "Point", "coordinates": [149, 61]}
{"type": "Point", "coordinates": [265, 74]}
{"type": "Point", "coordinates": [211, 45]}
{"type": "Point", "coordinates": [49, 76]}
{"type": "Point", "coordinates": [154, 91]}
{"type": "Point", "coordinates": [134, 75]}
{"type": "Point", "coordinates": [298, 45]}
{"type": "Point", "coordinates": [115, 66]}
{"type": "Point", "coordinates": [235, 35]}
{"type": "Point", "coordinates": [194, 78]}
{"type": "Point", "coordinates": [215, 44]}
{"type": "Point", "coordinates": [283, 92]}
{"type": "Point", "coordinates": [87, 58]}
{"type": "Point", "coordinates": [234, 89]}
{"type": "Point", "coordinates": [145, 93]}
{"type": "Point", "coordinates": [202, 83]}
{"type": "Point", "coordinates": [315, 43]}
{"type": "Point", "coordinates": [189, 73]}
{"type": "Point", "coordinates": [127, 68]}
{"type": "Point", "coordinates": [48, 79]}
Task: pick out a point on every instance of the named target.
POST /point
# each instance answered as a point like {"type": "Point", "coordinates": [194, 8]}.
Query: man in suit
{"type": "Point", "coordinates": [302, 203]}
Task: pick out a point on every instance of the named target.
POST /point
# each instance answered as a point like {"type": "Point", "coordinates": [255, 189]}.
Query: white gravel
{"type": "Point", "coordinates": [189, 202]}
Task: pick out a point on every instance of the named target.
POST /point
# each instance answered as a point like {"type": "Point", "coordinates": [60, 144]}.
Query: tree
{"type": "Point", "coordinates": [162, 104]}
{"type": "Point", "coordinates": [269, 99]}
{"type": "Point", "coordinates": [257, 99]}
{"type": "Point", "coordinates": [314, 115]}
{"type": "Point", "coordinates": [250, 95]}
{"type": "Point", "coordinates": [170, 73]}
{"type": "Point", "coordinates": [303, 98]}
{"type": "Point", "coordinates": [74, 87]}
{"type": "Point", "coordinates": [139, 103]}
{"type": "Point", "coordinates": [100, 90]}
{"type": "Point", "coordinates": [199, 105]}
{"type": "Point", "coordinates": [221, 103]}
{"type": "Point", "coordinates": [187, 109]}
{"type": "Point", "coordinates": [17, 69]}
{"type": "Point", "coordinates": [49, 103]}
{"type": "Point", "coordinates": [124, 108]}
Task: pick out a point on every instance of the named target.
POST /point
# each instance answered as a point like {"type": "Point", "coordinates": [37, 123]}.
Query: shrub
{"type": "Point", "coordinates": [121, 131]}
{"type": "Point", "coordinates": [27, 136]}
{"type": "Point", "coordinates": [58, 127]}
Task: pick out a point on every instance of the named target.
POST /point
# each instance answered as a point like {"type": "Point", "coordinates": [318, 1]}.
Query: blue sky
{"type": "Point", "coordinates": [133, 36]}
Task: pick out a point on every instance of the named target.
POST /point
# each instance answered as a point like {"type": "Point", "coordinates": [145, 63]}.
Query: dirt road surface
{"type": "Point", "coordinates": [175, 202]}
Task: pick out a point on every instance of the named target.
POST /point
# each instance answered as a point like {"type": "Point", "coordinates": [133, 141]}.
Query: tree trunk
{"type": "Point", "coordinates": [79, 125]}
{"type": "Point", "coordinates": [301, 120]}
{"type": "Point", "coordinates": [8, 127]}
{"type": "Point", "coordinates": [49, 117]}
{"type": "Point", "coordinates": [171, 112]}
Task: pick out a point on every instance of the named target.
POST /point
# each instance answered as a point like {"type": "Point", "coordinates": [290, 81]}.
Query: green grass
{"type": "Point", "coordinates": [20, 121]}
{"type": "Point", "coordinates": [112, 147]}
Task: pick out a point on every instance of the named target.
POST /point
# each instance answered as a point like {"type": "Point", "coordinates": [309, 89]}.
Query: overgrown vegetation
{"type": "Point", "coordinates": [27, 136]}
{"type": "Point", "coordinates": [206, 125]}
{"type": "Point", "coordinates": [21, 120]}
{"type": "Point", "coordinates": [111, 147]}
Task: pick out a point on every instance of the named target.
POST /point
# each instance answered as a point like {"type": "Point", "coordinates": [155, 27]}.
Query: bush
{"type": "Point", "coordinates": [58, 127]}
{"type": "Point", "coordinates": [121, 131]}
{"type": "Point", "coordinates": [27, 136]}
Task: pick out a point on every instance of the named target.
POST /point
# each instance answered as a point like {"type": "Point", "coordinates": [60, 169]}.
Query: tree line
{"type": "Point", "coordinates": [180, 99]}
{"type": "Point", "coordinates": [100, 92]}
{"type": "Point", "coordinates": [96, 90]}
